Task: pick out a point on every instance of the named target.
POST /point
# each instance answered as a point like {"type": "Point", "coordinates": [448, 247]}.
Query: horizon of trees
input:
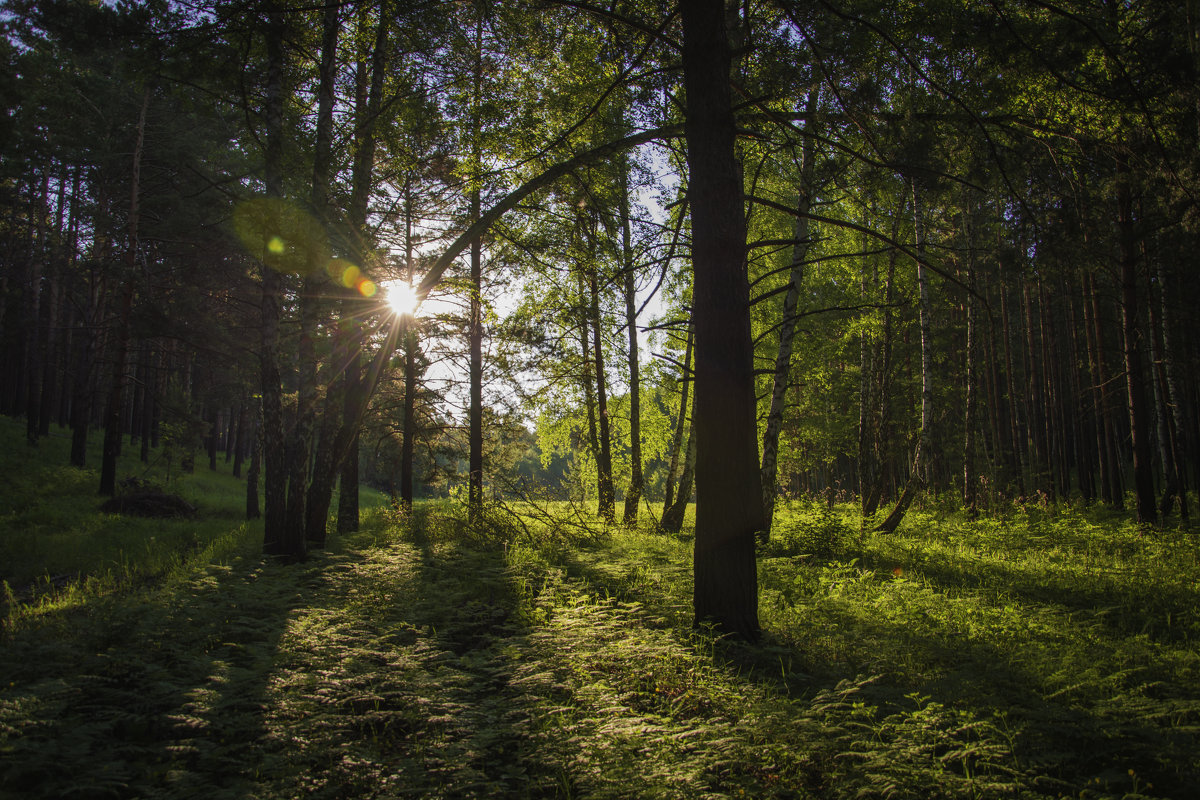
{"type": "Point", "coordinates": [942, 247]}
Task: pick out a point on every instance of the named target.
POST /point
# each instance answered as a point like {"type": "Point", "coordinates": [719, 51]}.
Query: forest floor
{"type": "Point", "coordinates": [1040, 653]}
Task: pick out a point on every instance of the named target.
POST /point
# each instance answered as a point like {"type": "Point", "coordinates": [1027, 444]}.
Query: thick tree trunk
{"type": "Point", "coordinates": [588, 364]}
{"type": "Point", "coordinates": [276, 538]}
{"type": "Point", "coordinates": [213, 417]}
{"type": "Point", "coordinates": [51, 361]}
{"type": "Point", "coordinates": [367, 107]}
{"type": "Point", "coordinates": [728, 481]}
{"type": "Point", "coordinates": [320, 487]}
{"type": "Point", "coordinates": [112, 414]}
{"type": "Point", "coordinates": [150, 402]}
{"type": "Point", "coordinates": [83, 374]}
{"type": "Point", "coordinates": [1040, 468]}
{"type": "Point", "coordinates": [301, 445]}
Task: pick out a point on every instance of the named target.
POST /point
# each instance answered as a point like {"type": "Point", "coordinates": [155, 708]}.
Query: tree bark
{"type": "Point", "coordinates": [637, 482]}
{"type": "Point", "coordinates": [1112, 488]}
{"type": "Point", "coordinates": [276, 539]}
{"type": "Point", "coordinates": [366, 116]}
{"type": "Point", "coordinates": [916, 473]}
{"type": "Point", "coordinates": [301, 445]}
{"type": "Point", "coordinates": [787, 327]}
{"type": "Point", "coordinates": [33, 333]}
{"type": "Point", "coordinates": [970, 502]}
{"type": "Point", "coordinates": [1174, 397]}
{"type": "Point", "coordinates": [729, 487]}
{"type": "Point", "coordinates": [112, 428]}
{"type": "Point", "coordinates": [604, 479]}
{"type": "Point", "coordinates": [475, 324]}
{"type": "Point", "coordinates": [672, 520]}
{"type": "Point", "coordinates": [252, 507]}
{"type": "Point", "coordinates": [681, 422]}
{"type": "Point", "coordinates": [1139, 421]}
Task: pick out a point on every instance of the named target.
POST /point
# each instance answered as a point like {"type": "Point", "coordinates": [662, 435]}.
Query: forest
{"type": "Point", "coordinates": [565, 398]}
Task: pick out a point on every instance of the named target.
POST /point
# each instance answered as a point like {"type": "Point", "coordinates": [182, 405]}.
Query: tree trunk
{"type": "Point", "coordinates": [252, 509]}
{"type": "Point", "coordinates": [728, 481]}
{"type": "Point", "coordinates": [633, 494]}
{"type": "Point", "coordinates": [112, 428]}
{"type": "Point", "coordinates": [301, 445]}
{"type": "Point", "coordinates": [239, 440]}
{"type": "Point", "coordinates": [1082, 423]}
{"type": "Point", "coordinates": [604, 480]}
{"type": "Point", "coordinates": [1112, 489]}
{"type": "Point", "coordinates": [787, 327]}
{"type": "Point", "coordinates": [1016, 429]}
{"type": "Point", "coordinates": [673, 514]}
{"type": "Point", "coordinates": [366, 114]}
{"type": "Point", "coordinates": [1174, 397]}
{"type": "Point", "coordinates": [475, 412]}
{"type": "Point", "coordinates": [1139, 420]}
{"type": "Point", "coordinates": [34, 340]}
{"type": "Point", "coordinates": [681, 422]}
{"type": "Point", "coordinates": [276, 539]}
{"type": "Point", "coordinates": [970, 502]}
{"type": "Point", "coordinates": [411, 351]}
{"type": "Point", "coordinates": [347, 511]}
{"type": "Point", "coordinates": [410, 423]}
{"type": "Point", "coordinates": [916, 473]}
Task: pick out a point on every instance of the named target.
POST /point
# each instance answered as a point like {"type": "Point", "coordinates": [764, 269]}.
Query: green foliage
{"type": "Point", "coordinates": [814, 530]}
{"type": "Point", "coordinates": [1043, 653]}
{"type": "Point", "coordinates": [57, 548]}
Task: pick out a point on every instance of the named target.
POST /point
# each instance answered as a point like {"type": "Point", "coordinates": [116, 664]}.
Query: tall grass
{"type": "Point", "coordinates": [1043, 653]}
{"type": "Point", "coordinates": [57, 547]}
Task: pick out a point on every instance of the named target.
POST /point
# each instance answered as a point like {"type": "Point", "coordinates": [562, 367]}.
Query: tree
{"type": "Point", "coordinates": [729, 508]}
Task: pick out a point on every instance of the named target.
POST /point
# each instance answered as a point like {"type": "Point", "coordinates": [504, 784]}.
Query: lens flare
{"type": "Point", "coordinates": [400, 297]}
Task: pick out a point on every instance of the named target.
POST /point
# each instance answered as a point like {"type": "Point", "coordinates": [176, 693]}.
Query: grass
{"type": "Point", "coordinates": [1044, 653]}
{"type": "Point", "coordinates": [52, 534]}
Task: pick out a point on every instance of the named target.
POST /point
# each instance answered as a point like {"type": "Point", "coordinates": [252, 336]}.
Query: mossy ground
{"type": "Point", "coordinates": [1044, 653]}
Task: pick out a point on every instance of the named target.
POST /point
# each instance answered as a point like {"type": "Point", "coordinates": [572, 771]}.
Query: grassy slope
{"type": "Point", "coordinates": [1039, 655]}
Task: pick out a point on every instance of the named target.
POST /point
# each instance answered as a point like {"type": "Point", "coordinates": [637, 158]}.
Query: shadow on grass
{"type": "Point", "coordinates": [148, 695]}
{"type": "Point", "coordinates": [1164, 612]}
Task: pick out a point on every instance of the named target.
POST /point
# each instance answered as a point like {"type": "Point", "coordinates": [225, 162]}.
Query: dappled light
{"type": "Point", "coordinates": [604, 401]}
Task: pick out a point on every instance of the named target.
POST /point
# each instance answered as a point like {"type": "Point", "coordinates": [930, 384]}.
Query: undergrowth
{"type": "Point", "coordinates": [1043, 654]}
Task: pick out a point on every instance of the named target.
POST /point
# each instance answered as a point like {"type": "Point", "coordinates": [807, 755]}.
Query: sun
{"type": "Point", "coordinates": [400, 297]}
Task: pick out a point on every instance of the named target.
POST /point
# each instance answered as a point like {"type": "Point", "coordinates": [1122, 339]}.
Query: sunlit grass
{"type": "Point", "coordinates": [1044, 653]}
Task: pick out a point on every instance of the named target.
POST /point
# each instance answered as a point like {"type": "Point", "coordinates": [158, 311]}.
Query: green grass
{"type": "Point", "coordinates": [1046, 653]}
